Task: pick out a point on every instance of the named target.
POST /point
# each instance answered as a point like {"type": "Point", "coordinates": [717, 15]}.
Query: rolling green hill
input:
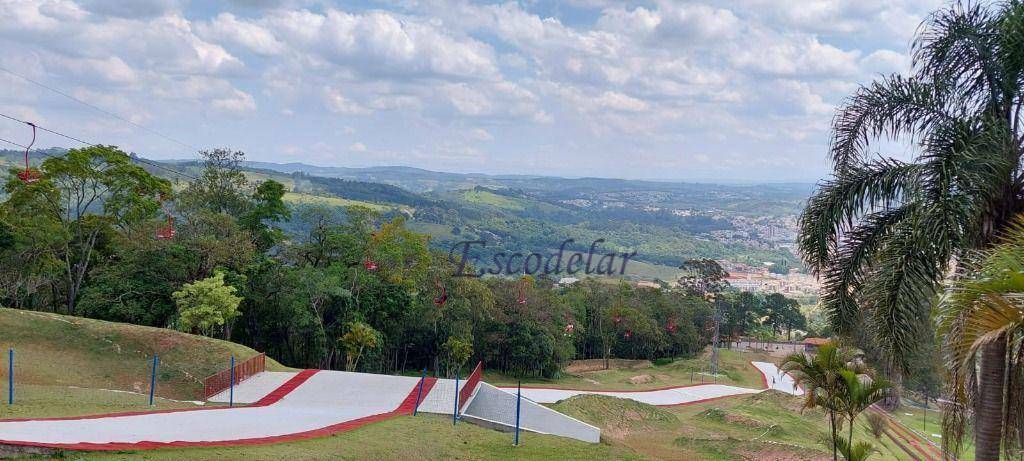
{"type": "Point", "coordinates": [55, 353]}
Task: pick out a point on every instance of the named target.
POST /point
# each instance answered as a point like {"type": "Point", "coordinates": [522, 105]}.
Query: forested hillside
{"type": "Point", "coordinates": [93, 233]}
{"type": "Point", "coordinates": [666, 223]}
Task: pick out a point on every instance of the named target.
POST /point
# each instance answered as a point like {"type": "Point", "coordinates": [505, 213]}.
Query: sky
{"type": "Point", "coordinates": [722, 90]}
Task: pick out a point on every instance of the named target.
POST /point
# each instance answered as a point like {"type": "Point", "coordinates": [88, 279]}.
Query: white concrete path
{"type": "Point", "coordinates": [673, 396]}
{"type": "Point", "coordinates": [323, 402]}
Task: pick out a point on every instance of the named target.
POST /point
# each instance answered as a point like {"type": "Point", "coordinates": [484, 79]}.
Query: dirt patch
{"type": "Point", "coordinates": [641, 379]}
{"type": "Point", "coordinates": [774, 452]}
{"type": "Point", "coordinates": [742, 420]}
{"type": "Point", "coordinates": [792, 403]}
{"type": "Point", "coordinates": [581, 366]}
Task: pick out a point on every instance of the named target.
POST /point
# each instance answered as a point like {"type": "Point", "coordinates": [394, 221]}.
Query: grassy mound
{"type": "Point", "coordinates": [616, 417]}
{"type": "Point", "coordinates": [71, 352]}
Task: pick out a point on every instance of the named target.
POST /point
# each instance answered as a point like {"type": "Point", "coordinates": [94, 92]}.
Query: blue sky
{"type": "Point", "coordinates": [724, 90]}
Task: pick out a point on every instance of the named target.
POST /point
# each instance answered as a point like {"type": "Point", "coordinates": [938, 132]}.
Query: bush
{"type": "Point", "coordinates": [877, 422]}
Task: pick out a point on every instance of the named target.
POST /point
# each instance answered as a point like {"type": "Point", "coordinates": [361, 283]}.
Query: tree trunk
{"type": "Point", "coordinates": [988, 426]}
{"type": "Point", "coordinates": [832, 424]}
{"type": "Point", "coordinates": [892, 397]}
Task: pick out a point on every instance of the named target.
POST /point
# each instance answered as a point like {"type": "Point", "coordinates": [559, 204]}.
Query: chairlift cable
{"type": "Point", "coordinates": [100, 109]}
{"type": "Point", "coordinates": [139, 159]}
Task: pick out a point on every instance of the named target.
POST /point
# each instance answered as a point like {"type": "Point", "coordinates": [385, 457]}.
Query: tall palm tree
{"type": "Point", "coordinates": [881, 232]}
{"type": "Point", "coordinates": [858, 392]}
{"type": "Point", "coordinates": [984, 308]}
{"type": "Point", "coordinates": [820, 375]}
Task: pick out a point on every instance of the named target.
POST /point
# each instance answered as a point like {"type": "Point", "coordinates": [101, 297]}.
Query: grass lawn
{"type": "Point", "coordinates": [36, 401]}
{"type": "Point", "coordinates": [55, 351]}
{"type": "Point", "coordinates": [763, 426]}
{"type": "Point", "coordinates": [734, 369]}
{"type": "Point", "coordinates": [423, 437]}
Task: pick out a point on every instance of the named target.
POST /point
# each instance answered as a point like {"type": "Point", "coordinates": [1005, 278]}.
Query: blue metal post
{"type": "Point", "coordinates": [519, 396]}
{"type": "Point", "coordinates": [152, 380]}
{"type": "Point", "coordinates": [455, 414]}
{"type": "Point", "coordinates": [10, 376]}
{"type": "Point", "coordinates": [419, 393]}
{"type": "Point", "coordinates": [231, 387]}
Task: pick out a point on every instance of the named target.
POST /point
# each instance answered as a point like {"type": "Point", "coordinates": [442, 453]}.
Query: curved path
{"type": "Point", "coordinates": [771, 376]}
{"type": "Point", "coordinates": [308, 404]}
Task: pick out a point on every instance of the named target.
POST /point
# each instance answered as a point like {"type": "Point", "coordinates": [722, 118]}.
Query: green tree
{"type": "Point", "coordinates": [206, 305]}
{"type": "Point", "coordinates": [883, 232]}
{"type": "Point", "coordinates": [859, 391]}
{"type": "Point", "coordinates": [83, 195]}
{"type": "Point", "coordinates": [457, 352]}
{"type": "Point", "coordinates": [222, 187]}
{"type": "Point", "coordinates": [821, 377]}
{"type": "Point", "coordinates": [703, 276]}
{"type": "Point", "coordinates": [357, 340]}
{"type": "Point", "coordinates": [267, 206]}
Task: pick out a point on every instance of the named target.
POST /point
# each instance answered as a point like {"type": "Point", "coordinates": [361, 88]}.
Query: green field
{"type": "Point", "coordinates": [306, 199]}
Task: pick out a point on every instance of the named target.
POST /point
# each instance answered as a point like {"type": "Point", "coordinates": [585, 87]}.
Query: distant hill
{"type": "Point", "coordinates": [666, 222]}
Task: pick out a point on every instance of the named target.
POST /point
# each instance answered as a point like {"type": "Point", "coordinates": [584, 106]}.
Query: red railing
{"type": "Point", "coordinates": [471, 383]}
{"type": "Point", "coordinates": [216, 383]}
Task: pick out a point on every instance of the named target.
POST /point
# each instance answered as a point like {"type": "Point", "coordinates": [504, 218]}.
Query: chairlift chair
{"type": "Point", "coordinates": [29, 176]}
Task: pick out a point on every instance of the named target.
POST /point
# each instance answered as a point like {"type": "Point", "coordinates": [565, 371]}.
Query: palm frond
{"type": "Point", "coordinates": [891, 107]}
{"type": "Point", "coordinates": [841, 201]}
{"type": "Point", "coordinates": [851, 262]}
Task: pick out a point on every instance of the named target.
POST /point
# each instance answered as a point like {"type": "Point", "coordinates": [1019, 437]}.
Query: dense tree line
{"type": "Point", "coordinates": [99, 236]}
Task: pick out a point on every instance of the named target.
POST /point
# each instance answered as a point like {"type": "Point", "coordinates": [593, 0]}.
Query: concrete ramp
{"type": "Point", "coordinates": [496, 409]}
{"type": "Point", "coordinates": [309, 404]}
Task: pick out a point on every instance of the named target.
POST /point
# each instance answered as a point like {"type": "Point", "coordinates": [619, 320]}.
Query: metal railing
{"type": "Point", "coordinates": [217, 382]}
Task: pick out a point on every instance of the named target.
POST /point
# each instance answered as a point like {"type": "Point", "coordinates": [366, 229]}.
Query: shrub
{"type": "Point", "coordinates": [877, 422]}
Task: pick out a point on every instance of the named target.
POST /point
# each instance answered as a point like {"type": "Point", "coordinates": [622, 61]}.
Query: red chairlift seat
{"type": "Point", "coordinates": [442, 297]}
{"type": "Point", "coordinates": [369, 264]}
{"type": "Point", "coordinates": [30, 176]}
{"type": "Point", "coordinates": [167, 231]}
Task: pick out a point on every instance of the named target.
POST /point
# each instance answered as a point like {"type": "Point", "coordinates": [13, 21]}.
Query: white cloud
{"type": "Point", "coordinates": [238, 102]}
{"type": "Point", "coordinates": [337, 102]}
{"type": "Point", "coordinates": [656, 82]}
{"type": "Point", "coordinates": [252, 37]}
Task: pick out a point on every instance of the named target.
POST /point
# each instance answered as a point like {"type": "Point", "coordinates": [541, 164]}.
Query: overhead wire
{"type": "Point", "coordinates": [97, 108]}
{"type": "Point", "coordinates": [66, 136]}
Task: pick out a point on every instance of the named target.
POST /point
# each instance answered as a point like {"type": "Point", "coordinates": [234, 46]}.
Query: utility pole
{"type": "Point", "coordinates": [714, 345]}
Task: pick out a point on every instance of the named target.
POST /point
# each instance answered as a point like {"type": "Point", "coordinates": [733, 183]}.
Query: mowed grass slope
{"type": "Point", "coordinates": [767, 426]}
{"type": "Point", "coordinates": [734, 369]}
{"type": "Point", "coordinates": [69, 365]}
{"type": "Point", "coordinates": [422, 437]}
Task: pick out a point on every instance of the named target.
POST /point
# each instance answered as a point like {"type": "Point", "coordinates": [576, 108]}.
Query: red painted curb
{"type": "Point", "coordinates": [406, 407]}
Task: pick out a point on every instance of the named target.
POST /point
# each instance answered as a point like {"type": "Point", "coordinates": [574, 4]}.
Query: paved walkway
{"type": "Point", "coordinates": [772, 377]}
{"type": "Point", "coordinates": [308, 404]}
